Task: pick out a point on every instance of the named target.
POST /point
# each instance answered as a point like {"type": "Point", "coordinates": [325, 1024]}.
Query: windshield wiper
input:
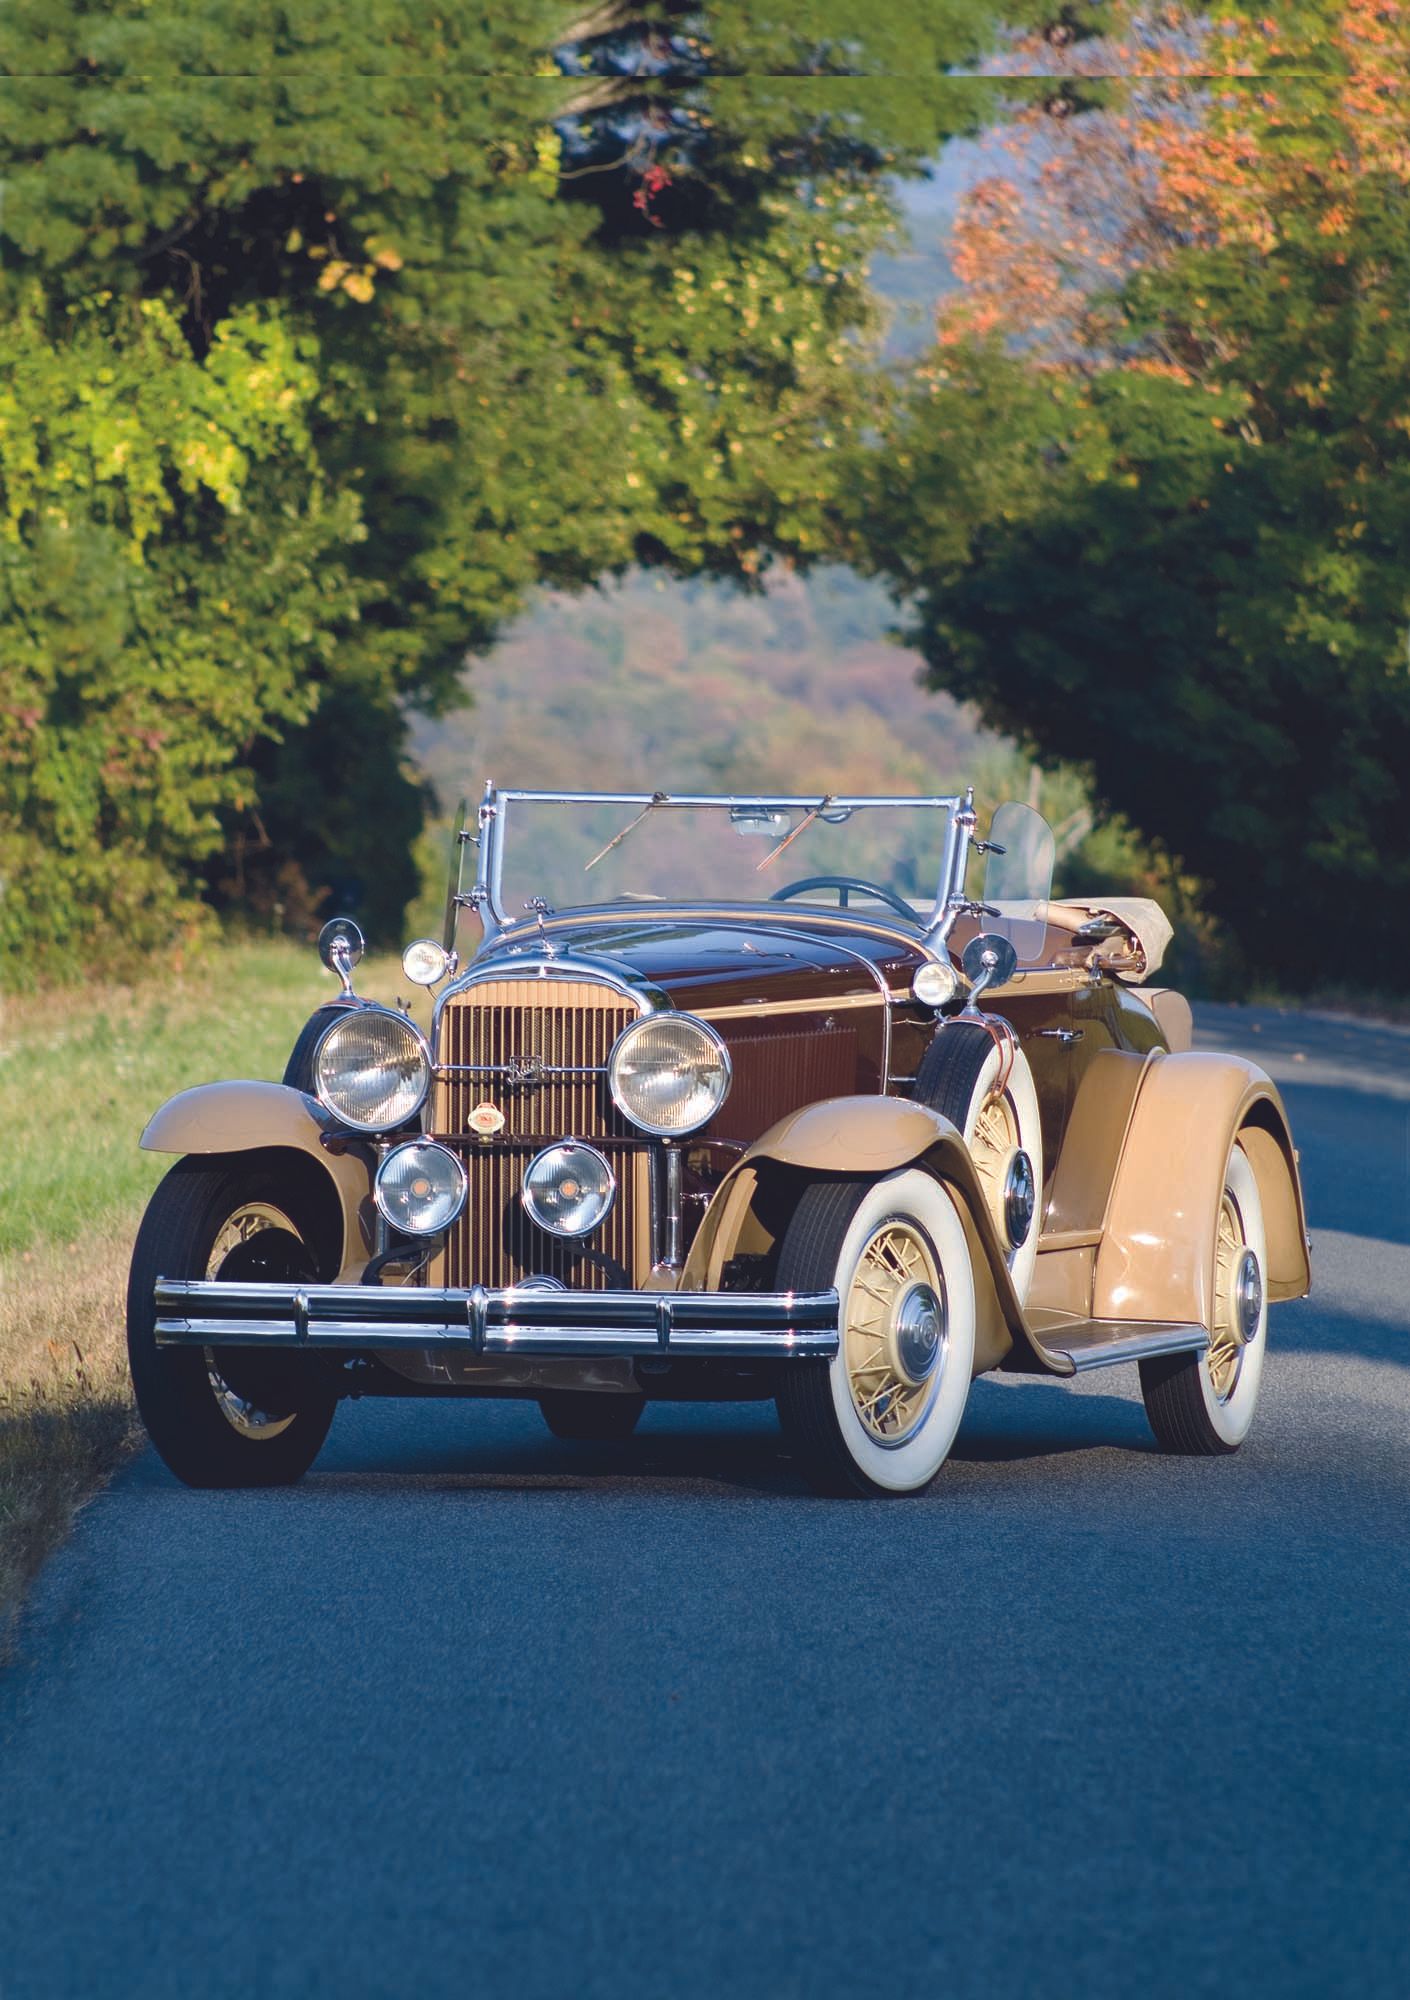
{"type": "Point", "coordinates": [789, 838]}
{"type": "Point", "coordinates": [656, 799]}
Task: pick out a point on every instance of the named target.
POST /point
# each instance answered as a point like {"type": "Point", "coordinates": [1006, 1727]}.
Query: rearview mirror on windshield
{"type": "Point", "coordinates": [754, 820]}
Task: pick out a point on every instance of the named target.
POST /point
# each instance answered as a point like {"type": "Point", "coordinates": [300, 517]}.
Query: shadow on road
{"type": "Point", "coordinates": [1038, 1419]}
{"type": "Point", "coordinates": [1342, 1333]}
{"type": "Point", "coordinates": [500, 1447]}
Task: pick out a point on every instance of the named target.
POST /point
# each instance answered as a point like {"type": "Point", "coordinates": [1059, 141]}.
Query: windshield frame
{"type": "Point", "coordinates": [488, 894]}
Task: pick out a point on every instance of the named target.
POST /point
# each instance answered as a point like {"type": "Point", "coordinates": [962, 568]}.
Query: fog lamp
{"type": "Point", "coordinates": [424, 961]}
{"type": "Point", "coordinates": [420, 1187]}
{"type": "Point", "coordinates": [568, 1188]}
{"type": "Point", "coordinates": [936, 984]}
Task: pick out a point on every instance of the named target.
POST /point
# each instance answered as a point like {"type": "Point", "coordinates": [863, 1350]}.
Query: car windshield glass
{"type": "Point", "coordinates": [873, 856]}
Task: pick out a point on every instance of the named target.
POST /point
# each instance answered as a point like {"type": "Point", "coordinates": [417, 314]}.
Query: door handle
{"type": "Point", "coordinates": [1060, 1034]}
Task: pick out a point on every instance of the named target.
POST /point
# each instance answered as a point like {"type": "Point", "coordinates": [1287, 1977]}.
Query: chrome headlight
{"type": "Point", "coordinates": [372, 1069]}
{"type": "Point", "coordinates": [568, 1188]}
{"type": "Point", "coordinates": [420, 1187]}
{"type": "Point", "coordinates": [669, 1073]}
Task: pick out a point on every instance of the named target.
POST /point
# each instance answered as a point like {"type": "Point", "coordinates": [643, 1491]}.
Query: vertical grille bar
{"type": "Point", "coordinates": [565, 1023]}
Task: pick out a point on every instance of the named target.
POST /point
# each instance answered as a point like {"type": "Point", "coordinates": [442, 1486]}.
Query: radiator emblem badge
{"type": "Point", "coordinates": [486, 1119]}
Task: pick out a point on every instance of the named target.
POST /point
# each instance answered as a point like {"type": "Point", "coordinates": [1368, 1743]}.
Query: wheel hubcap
{"type": "Point", "coordinates": [1248, 1297]}
{"type": "Point", "coordinates": [1020, 1199]}
{"type": "Point", "coordinates": [1238, 1301]}
{"type": "Point", "coordinates": [994, 1148]}
{"type": "Point", "coordinates": [895, 1335]}
{"type": "Point", "coordinates": [237, 1244]}
{"type": "Point", "coordinates": [916, 1332]}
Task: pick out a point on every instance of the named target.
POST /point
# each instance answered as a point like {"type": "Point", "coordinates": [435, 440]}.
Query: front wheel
{"type": "Point", "coordinates": [880, 1417]}
{"type": "Point", "coordinates": [237, 1417]}
{"type": "Point", "coordinates": [1202, 1404]}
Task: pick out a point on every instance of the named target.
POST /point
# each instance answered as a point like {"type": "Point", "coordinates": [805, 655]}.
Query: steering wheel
{"type": "Point", "coordinates": [844, 885]}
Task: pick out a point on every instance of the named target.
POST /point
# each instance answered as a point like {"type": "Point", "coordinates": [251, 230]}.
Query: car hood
{"type": "Point", "coordinates": [715, 960]}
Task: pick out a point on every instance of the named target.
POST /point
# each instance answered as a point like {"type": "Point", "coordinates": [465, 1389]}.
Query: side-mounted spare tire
{"type": "Point", "coordinates": [979, 1079]}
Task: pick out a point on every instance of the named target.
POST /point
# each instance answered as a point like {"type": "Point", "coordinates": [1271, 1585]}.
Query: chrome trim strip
{"type": "Point", "coordinates": [746, 1010]}
{"type": "Point", "coordinates": [767, 802]}
{"type": "Point", "coordinates": [209, 1313]}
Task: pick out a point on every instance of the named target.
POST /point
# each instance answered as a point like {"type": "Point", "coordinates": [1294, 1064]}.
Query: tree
{"type": "Point", "coordinates": [583, 293]}
{"type": "Point", "coordinates": [1157, 523]}
{"type": "Point", "coordinates": [170, 563]}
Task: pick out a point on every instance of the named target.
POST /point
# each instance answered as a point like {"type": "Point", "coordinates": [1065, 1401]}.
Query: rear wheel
{"type": "Point", "coordinates": [1202, 1404]}
{"type": "Point", "coordinates": [881, 1416]}
{"type": "Point", "coordinates": [233, 1417]}
{"type": "Point", "coordinates": [983, 1085]}
{"type": "Point", "coordinates": [588, 1418]}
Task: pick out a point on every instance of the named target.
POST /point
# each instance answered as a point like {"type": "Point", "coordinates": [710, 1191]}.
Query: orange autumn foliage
{"type": "Point", "coordinates": [1215, 131]}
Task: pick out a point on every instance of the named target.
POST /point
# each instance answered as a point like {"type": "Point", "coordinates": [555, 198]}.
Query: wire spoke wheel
{"type": "Point", "coordinates": [895, 1336]}
{"type": "Point", "coordinates": [881, 1415]}
{"type": "Point", "coordinates": [235, 1250]}
{"type": "Point", "coordinates": [1225, 1355]}
{"type": "Point", "coordinates": [1203, 1404]}
{"type": "Point", "coordinates": [239, 1415]}
{"type": "Point", "coordinates": [993, 1142]}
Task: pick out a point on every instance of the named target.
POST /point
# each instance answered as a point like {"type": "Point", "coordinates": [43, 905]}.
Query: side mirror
{"type": "Point", "coordinates": [988, 960]}
{"type": "Point", "coordinates": [340, 946]}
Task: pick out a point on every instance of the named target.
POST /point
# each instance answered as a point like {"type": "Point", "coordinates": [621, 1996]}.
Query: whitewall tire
{"type": "Point", "coordinates": [880, 1417]}
{"type": "Point", "coordinates": [1203, 1404]}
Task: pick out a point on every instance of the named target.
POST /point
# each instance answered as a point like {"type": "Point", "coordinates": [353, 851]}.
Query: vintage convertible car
{"type": "Point", "coordinates": [681, 1129]}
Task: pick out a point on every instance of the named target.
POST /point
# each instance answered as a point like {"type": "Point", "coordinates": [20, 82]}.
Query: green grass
{"type": "Point", "coordinates": [81, 1072]}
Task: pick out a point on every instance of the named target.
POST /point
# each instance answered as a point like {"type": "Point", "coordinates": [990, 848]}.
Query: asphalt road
{"type": "Point", "coordinates": [475, 1712]}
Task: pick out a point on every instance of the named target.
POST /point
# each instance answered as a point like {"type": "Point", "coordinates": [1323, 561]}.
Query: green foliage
{"type": "Point", "coordinates": [1180, 561]}
{"type": "Point", "coordinates": [170, 572]}
{"type": "Point", "coordinates": [571, 312]}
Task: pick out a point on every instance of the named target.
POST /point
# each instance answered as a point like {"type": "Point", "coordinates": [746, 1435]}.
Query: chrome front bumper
{"type": "Point", "coordinates": [752, 1326]}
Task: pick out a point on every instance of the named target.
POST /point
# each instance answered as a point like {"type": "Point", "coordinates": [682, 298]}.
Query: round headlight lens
{"type": "Point", "coordinates": [568, 1188]}
{"type": "Point", "coordinates": [669, 1073]}
{"type": "Point", "coordinates": [424, 962]}
{"type": "Point", "coordinates": [420, 1187]}
{"type": "Point", "coordinates": [372, 1070]}
{"type": "Point", "coordinates": [936, 984]}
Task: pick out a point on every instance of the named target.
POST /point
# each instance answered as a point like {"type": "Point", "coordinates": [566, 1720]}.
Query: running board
{"type": "Point", "coordinates": [1101, 1343]}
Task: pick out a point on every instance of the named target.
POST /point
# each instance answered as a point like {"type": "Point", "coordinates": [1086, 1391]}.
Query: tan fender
{"type": "Point", "coordinates": [871, 1136]}
{"type": "Point", "coordinates": [243, 1117]}
{"type": "Point", "coordinates": [1156, 1259]}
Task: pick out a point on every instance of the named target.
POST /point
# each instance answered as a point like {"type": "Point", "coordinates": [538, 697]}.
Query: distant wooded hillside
{"type": "Point", "coordinates": [687, 686]}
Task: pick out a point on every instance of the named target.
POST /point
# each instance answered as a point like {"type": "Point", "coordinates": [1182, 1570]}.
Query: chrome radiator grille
{"type": "Point", "coordinates": [567, 1024]}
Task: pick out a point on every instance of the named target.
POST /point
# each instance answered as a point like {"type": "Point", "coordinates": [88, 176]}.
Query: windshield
{"type": "Point", "coordinates": [876, 856]}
